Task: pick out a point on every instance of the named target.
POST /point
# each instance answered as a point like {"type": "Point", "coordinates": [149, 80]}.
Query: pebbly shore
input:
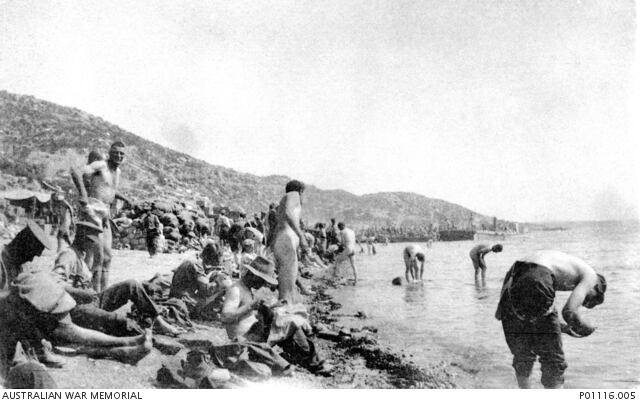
{"type": "Point", "coordinates": [359, 360]}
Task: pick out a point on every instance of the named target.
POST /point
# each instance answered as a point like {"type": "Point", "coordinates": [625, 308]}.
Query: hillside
{"type": "Point", "coordinates": [42, 140]}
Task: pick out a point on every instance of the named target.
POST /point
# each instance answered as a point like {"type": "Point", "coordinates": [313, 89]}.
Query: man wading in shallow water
{"type": "Point", "coordinates": [347, 250]}
{"type": "Point", "coordinates": [411, 255]}
{"type": "Point", "coordinates": [529, 319]}
{"type": "Point", "coordinates": [103, 178]}
{"type": "Point", "coordinates": [477, 255]}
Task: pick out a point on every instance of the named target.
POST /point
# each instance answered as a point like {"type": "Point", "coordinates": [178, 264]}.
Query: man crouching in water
{"type": "Point", "coordinates": [248, 318]}
{"type": "Point", "coordinates": [288, 236]}
{"type": "Point", "coordinates": [529, 319]}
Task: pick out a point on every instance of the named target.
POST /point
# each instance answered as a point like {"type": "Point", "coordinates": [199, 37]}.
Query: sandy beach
{"type": "Point", "coordinates": [359, 360]}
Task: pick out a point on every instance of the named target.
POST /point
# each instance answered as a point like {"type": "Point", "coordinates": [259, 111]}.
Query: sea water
{"type": "Point", "coordinates": [448, 319]}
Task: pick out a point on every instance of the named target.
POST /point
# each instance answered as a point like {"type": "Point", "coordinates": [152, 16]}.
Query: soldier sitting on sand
{"type": "Point", "coordinates": [27, 244]}
{"type": "Point", "coordinates": [14, 259]}
{"type": "Point", "coordinates": [37, 308]}
{"type": "Point", "coordinates": [96, 310]}
{"type": "Point", "coordinates": [192, 283]}
{"type": "Point", "coordinates": [240, 316]}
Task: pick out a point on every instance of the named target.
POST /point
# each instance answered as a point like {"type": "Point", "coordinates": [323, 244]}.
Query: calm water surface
{"type": "Point", "coordinates": [449, 319]}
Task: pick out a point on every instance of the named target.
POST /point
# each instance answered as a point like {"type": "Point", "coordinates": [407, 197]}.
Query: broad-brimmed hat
{"type": "Point", "coordinates": [41, 289]}
{"type": "Point", "coordinates": [263, 268]}
{"type": "Point", "coordinates": [38, 233]}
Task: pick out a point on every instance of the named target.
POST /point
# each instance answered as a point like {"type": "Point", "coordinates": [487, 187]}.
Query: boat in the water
{"type": "Point", "coordinates": [456, 235]}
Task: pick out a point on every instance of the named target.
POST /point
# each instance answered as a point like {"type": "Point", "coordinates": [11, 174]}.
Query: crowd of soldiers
{"type": "Point", "coordinates": [73, 302]}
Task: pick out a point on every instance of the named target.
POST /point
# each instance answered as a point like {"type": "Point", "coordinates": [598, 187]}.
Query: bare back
{"type": "Point", "coordinates": [477, 250]}
{"type": "Point", "coordinates": [238, 296]}
{"type": "Point", "coordinates": [289, 205]}
{"type": "Point", "coordinates": [568, 270]}
{"type": "Point", "coordinates": [411, 251]}
{"type": "Point", "coordinates": [348, 238]}
{"type": "Point", "coordinates": [575, 275]}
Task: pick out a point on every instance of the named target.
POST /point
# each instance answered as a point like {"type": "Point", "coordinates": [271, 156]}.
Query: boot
{"type": "Point", "coordinates": [197, 365]}
{"type": "Point", "coordinates": [47, 357]}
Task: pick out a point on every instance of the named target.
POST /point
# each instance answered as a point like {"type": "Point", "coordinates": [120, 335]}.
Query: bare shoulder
{"type": "Point", "coordinates": [292, 197]}
{"type": "Point", "coordinates": [97, 166]}
{"type": "Point", "coordinates": [232, 294]}
{"type": "Point", "coordinates": [569, 270]}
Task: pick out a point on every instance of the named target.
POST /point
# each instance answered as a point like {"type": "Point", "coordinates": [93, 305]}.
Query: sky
{"type": "Point", "coordinates": [523, 110]}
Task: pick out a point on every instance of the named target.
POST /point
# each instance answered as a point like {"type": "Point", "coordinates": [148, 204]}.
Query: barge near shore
{"type": "Point", "coordinates": [456, 235]}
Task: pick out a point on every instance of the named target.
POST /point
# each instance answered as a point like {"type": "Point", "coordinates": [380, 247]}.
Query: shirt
{"type": "Point", "coordinates": [151, 222]}
{"type": "Point", "coordinates": [188, 279]}
{"type": "Point", "coordinates": [71, 269]}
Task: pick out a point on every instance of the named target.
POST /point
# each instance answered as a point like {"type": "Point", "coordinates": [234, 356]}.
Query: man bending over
{"type": "Point", "coordinates": [477, 255]}
{"type": "Point", "coordinates": [529, 318]}
{"type": "Point", "coordinates": [413, 254]}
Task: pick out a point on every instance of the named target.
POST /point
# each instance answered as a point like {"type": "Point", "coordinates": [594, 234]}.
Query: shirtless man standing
{"type": "Point", "coordinates": [347, 240]}
{"type": "Point", "coordinates": [103, 178]}
{"type": "Point", "coordinates": [477, 257]}
{"type": "Point", "coordinates": [530, 321]}
{"type": "Point", "coordinates": [286, 239]}
{"type": "Point", "coordinates": [411, 255]}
